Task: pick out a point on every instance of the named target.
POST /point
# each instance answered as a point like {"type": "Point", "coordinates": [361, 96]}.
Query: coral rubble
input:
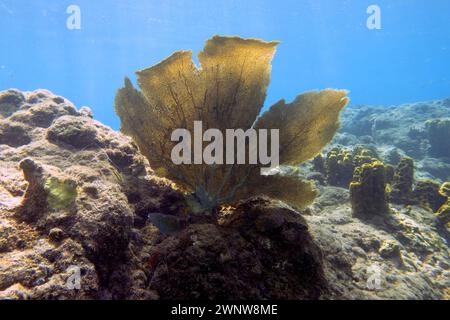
{"type": "Point", "coordinates": [439, 137]}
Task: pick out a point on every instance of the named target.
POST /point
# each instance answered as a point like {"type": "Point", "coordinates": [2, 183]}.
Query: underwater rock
{"type": "Point", "coordinates": [10, 102]}
{"type": "Point", "coordinates": [409, 133]}
{"type": "Point", "coordinates": [73, 131]}
{"type": "Point", "coordinates": [443, 214]}
{"type": "Point", "coordinates": [355, 251]}
{"type": "Point", "coordinates": [261, 250]}
{"type": "Point", "coordinates": [63, 199]}
{"type": "Point", "coordinates": [56, 235]}
{"type": "Point", "coordinates": [368, 191]}
{"type": "Point", "coordinates": [150, 116]}
{"type": "Point", "coordinates": [389, 249]}
{"type": "Point", "coordinates": [426, 193]}
{"type": "Point", "coordinates": [86, 112]}
{"type": "Point", "coordinates": [392, 155]}
{"type": "Point", "coordinates": [433, 169]}
{"type": "Point", "coordinates": [402, 184]}
{"type": "Point", "coordinates": [439, 136]}
{"type": "Point", "coordinates": [71, 210]}
{"type": "Point", "coordinates": [345, 139]}
{"type": "Point", "coordinates": [41, 108]}
{"type": "Point", "coordinates": [340, 163]}
{"type": "Point", "coordinates": [82, 191]}
{"type": "Point", "coordinates": [330, 196]}
{"type": "Point", "coordinates": [34, 203]}
{"type": "Point", "coordinates": [42, 270]}
{"type": "Point", "coordinates": [14, 134]}
{"type": "Point", "coordinates": [339, 167]}
{"type": "Point", "coordinates": [359, 120]}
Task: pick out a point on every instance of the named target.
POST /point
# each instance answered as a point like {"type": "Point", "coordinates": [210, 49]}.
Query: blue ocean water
{"type": "Point", "coordinates": [324, 43]}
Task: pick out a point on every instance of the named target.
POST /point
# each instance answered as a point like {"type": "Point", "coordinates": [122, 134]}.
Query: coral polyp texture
{"type": "Point", "coordinates": [227, 91]}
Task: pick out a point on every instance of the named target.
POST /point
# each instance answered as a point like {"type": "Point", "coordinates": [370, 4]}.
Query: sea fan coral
{"type": "Point", "coordinates": [226, 92]}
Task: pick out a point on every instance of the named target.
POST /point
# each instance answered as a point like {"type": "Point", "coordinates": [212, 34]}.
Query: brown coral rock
{"type": "Point", "coordinates": [261, 250]}
{"type": "Point", "coordinates": [69, 201]}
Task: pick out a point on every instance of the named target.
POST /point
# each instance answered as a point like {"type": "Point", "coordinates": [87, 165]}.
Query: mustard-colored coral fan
{"type": "Point", "coordinates": [227, 91]}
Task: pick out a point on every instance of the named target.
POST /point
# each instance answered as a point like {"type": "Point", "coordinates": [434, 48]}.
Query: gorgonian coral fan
{"type": "Point", "coordinates": [227, 91]}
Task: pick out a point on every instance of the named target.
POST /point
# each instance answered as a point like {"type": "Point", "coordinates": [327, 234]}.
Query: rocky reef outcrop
{"type": "Point", "coordinates": [383, 198]}
{"type": "Point", "coordinates": [368, 190]}
{"type": "Point", "coordinates": [261, 249]}
{"type": "Point", "coordinates": [443, 212]}
{"type": "Point", "coordinates": [83, 216]}
{"type": "Point", "coordinates": [67, 201]}
{"type": "Point", "coordinates": [78, 203]}
{"type": "Point", "coordinates": [418, 130]}
{"type": "Point", "coordinates": [402, 184]}
{"type": "Point", "coordinates": [438, 134]}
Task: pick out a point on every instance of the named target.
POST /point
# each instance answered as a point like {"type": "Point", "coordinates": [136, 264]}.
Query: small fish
{"type": "Point", "coordinates": [167, 224]}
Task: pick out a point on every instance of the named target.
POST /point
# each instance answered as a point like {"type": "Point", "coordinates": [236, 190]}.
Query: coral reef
{"type": "Point", "coordinates": [443, 214]}
{"type": "Point", "coordinates": [80, 196]}
{"type": "Point", "coordinates": [343, 166]}
{"type": "Point", "coordinates": [319, 164]}
{"type": "Point", "coordinates": [97, 207]}
{"type": "Point", "coordinates": [68, 201]}
{"type": "Point", "coordinates": [368, 190]}
{"type": "Point", "coordinates": [426, 193]}
{"type": "Point", "coordinates": [402, 184]}
{"type": "Point", "coordinates": [411, 134]}
{"type": "Point", "coordinates": [226, 92]}
{"type": "Point", "coordinates": [404, 249]}
{"type": "Point", "coordinates": [14, 134]}
{"type": "Point", "coordinates": [256, 252]}
{"type": "Point", "coordinates": [339, 167]}
{"type": "Point", "coordinates": [340, 163]}
{"type": "Point", "coordinates": [10, 101]}
{"type": "Point", "coordinates": [439, 137]}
